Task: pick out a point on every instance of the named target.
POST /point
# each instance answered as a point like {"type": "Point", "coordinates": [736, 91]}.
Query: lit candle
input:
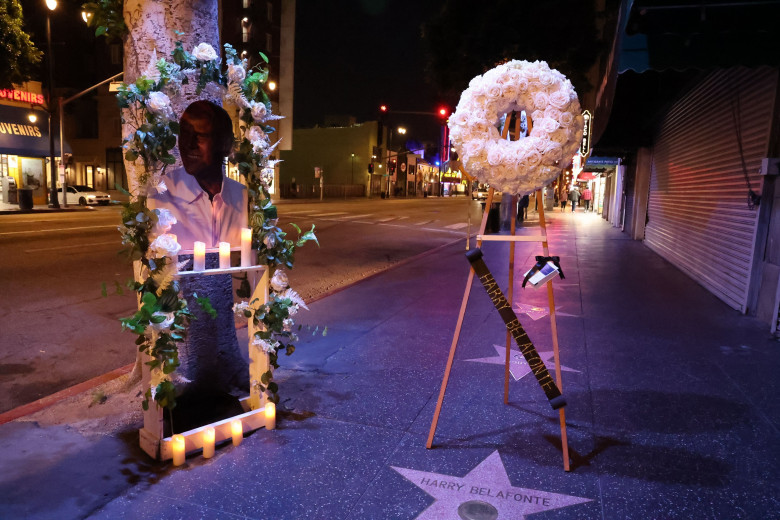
{"type": "Point", "coordinates": [246, 247]}
{"type": "Point", "coordinates": [177, 444]}
{"type": "Point", "coordinates": [208, 442]}
{"type": "Point", "coordinates": [270, 416]}
{"type": "Point", "coordinates": [199, 258]}
{"type": "Point", "coordinates": [237, 430]}
{"type": "Point", "coordinates": [224, 255]}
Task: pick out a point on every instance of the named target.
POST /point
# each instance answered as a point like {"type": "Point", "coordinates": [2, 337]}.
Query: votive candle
{"type": "Point", "coordinates": [209, 436]}
{"type": "Point", "coordinates": [237, 430]}
{"type": "Point", "coordinates": [270, 416]}
{"type": "Point", "coordinates": [199, 257]}
{"type": "Point", "coordinates": [177, 445]}
{"type": "Point", "coordinates": [246, 247]}
{"type": "Point", "coordinates": [224, 255]}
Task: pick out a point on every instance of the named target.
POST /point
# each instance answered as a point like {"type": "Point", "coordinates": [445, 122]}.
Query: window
{"type": "Point", "coordinates": [269, 11]}
{"type": "Point", "coordinates": [246, 4]}
{"type": "Point", "coordinates": [269, 43]}
{"type": "Point", "coordinates": [245, 31]}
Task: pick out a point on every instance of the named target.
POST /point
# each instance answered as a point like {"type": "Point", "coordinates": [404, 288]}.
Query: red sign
{"type": "Point", "coordinates": [21, 95]}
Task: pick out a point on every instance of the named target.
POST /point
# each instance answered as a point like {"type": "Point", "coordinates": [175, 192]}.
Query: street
{"type": "Point", "coordinates": [58, 330]}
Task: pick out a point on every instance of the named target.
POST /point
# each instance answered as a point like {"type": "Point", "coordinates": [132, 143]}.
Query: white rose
{"type": "Point", "coordinates": [279, 281]}
{"type": "Point", "coordinates": [494, 91]}
{"type": "Point", "coordinates": [270, 240]}
{"type": "Point", "coordinates": [473, 147]}
{"type": "Point", "coordinates": [254, 134]}
{"type": "Point", "coordinates": [259, 111]}
{"type": "Point", "coordinates": [533, 158]}
{"type": "Point", "coordinates": [560, 99]}
{"type": "Point", "coordinates": [522, 84]}
{"type": "Point", "coordinates": [204, 52]}
{"type": "Point", "coordinates": [546, 78]}
{"type": "Point", "coordinates": [236, 73]}
{"type": "Point", "coordinates": [287, 324]}
{"type": "Point", "coordinates": [159, 103]}
{"type": "Point", "coordinates": [546, 124]}
{"type": "Point", "coordinates": [541, 100]}
{"type": "Point", "coordinates": [552, 113]}
{"type": "Point", "coordinates": [165, 220]}
{"type": "Point", "coordinates": [164, 245]}
{"type": "Point", "coordinates": [495, 155]}
{"type": "Point", "coordinates": [566, 119]}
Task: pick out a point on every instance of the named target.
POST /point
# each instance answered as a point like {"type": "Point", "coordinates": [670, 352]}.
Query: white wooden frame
{"type": "Point", "coordinates": [152, 438]}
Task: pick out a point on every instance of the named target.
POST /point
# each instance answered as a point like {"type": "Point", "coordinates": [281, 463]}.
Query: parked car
{"type": "Point", "coordinates": [83, 195]}
{"type": "Point", "coordinates": [480, 192]}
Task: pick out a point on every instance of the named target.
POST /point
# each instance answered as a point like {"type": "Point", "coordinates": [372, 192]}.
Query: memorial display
{"type": "Point", "coordinates": [165, 312]}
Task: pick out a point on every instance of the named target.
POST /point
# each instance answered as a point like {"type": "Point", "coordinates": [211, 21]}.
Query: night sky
{"type": "Point", "coordinates": [353, 55]}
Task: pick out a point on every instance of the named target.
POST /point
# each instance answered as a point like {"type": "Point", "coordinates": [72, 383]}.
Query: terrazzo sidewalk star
{"type": "Point", "coordinates": [485, 489]}
{"type": "Point", "coordinates": [518, 366]}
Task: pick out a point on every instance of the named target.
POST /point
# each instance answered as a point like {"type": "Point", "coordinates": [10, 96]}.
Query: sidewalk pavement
{"type": "Point", "coordinates": [672, 411]}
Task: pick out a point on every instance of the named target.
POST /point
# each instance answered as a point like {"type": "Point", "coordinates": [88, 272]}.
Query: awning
{"type": "Point", "coordinates": [19, 136]}
{"type": "Point", "coordinates": [585, 176]}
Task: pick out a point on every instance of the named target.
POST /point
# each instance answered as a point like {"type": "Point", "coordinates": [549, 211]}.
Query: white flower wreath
{"type": "Point", "coordinates": [522, 166]}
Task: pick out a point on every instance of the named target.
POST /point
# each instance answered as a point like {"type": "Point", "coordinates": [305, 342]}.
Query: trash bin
{"type": "Point", "coordinates": [25, 198]}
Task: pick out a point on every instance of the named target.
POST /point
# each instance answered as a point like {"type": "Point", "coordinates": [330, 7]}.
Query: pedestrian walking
{"type": "Point", "coordinates": [587, 196]}
{"type": "Point", "coordinates": [563, 197]}
{"type": "Point", "coordinates": [574, 197]}
{"type": "Point", "coordinates": [522, 208]}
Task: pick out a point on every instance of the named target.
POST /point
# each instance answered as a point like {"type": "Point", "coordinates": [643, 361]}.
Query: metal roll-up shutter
{"type": "Point", "coordinates": [698, 214]}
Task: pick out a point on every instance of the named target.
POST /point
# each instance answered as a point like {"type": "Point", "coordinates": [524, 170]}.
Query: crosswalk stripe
{"type": "Point", "coordinates": [327, 214]}
{"type": "Point", "coordinates": [459, 225]}
{"type": "Point", "coordinates": [354, 217]}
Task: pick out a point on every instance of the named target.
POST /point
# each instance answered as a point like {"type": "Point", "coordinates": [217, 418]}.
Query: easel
{"type": "Point", "coordinates": [513, 238]}
{"type": "Point", "coordinates": [152, 438]}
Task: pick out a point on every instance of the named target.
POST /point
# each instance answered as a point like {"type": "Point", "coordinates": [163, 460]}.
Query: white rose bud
{"type": "Point", "coordinates": [165, 220]}
{"type": "Point", "coordinates": [259, 111]}
{"type": "Point", "coordinates": [204, 52]}
{"type": "Point", "coordinates": [236, 73]}
{"type": "Point", "coordinates": [254, 134]}
{"type": "Point", "coordinates": [279, 281]}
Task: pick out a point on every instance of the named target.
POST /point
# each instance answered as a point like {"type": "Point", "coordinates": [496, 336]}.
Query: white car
{"type": "Point", "coordinates": [83, 195]}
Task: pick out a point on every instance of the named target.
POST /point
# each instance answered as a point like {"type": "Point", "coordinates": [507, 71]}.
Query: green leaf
{"type": "Point", "coordinates": [265, 58]}
{"type": "Point", "coordinates": [103, 291]}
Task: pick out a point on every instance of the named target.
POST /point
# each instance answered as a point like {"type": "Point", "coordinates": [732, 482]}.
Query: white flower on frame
{"type": "Point", "coordinates": [160, 104]}
{"type": "Point", "coordinates": [165, 220]}
{"type": "Point", "coordinates": [204, 52]}
{"type": "Point", "coordinates": [164, 245]}
{"type": "Point", "coordinates": [279, 281]}
{"type": "Point", "coordinates": [259, 112]}
{"type": "Point", "coordinates": [236, 73]}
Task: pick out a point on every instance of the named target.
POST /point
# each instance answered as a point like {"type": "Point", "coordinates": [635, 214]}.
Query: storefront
{"type": "Point", "coordinates": [24, 142]}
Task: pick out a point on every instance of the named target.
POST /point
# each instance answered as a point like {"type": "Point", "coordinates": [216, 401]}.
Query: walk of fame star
{"type": "Point", "coordinates": [518, 366]}
{"type": "Point", "coordinates": [535, 312]}
{"type": "Point", "coordinates": [486, 487]}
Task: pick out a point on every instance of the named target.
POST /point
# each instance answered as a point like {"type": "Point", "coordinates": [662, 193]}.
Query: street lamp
{"type": "Point", "coordinates": [53, 199]}
{"type": "Point", "coordinates": [353, 168]}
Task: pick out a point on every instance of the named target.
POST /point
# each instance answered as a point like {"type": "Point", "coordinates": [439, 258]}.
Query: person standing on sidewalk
{"type": "Point", "coordinates": [563, 197]}
{"type": "Point", "coordinates": [587, 196]}
{"type": "Point", "coordinates": [574, 197]}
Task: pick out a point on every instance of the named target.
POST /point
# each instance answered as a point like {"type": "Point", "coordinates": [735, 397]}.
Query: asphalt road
{"type": "Point", "coordinates": [57, 330]}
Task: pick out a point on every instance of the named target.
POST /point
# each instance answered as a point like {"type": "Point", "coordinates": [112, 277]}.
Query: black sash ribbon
{"type": "Point", "coordinates": [541, 261]}
{"type": "Point", "coordinates": [516, 329]}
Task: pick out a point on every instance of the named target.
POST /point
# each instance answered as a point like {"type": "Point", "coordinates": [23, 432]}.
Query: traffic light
{"type": "Point", "coordinates": [391, 167]}
{"type": "Point", "coordinates": [443, 112]}
{"type": "Point", "coordinates": [383, 108]}
{"type": "Point", "coordinates": [370, 167]}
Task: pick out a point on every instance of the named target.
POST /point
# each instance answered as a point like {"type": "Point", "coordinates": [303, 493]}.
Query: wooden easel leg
{"type": "Point", "coordinates": [554, 331]}
{"type": "Point", "coordinates": [510, 295]}
{"type": "Point", "coordinates": [458, 326]}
